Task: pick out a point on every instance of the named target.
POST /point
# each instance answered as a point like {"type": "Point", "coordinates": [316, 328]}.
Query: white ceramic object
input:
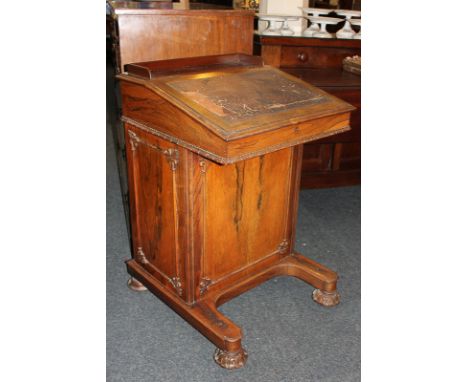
{"type": "Point", "coordinates": [275, 24]}
{"type": "Point", "coordinates": [314, 27]}
{"type": "Point", "coordinates": [324, 21]}
{"type": "Point", "coordinates": [314, 12]}
{"type": "Point", "coordinates": [286, 30]}
{"type": "Point", "coordinates": [347, 31]}
{"type": "Point", "coordinates": [357, 36]}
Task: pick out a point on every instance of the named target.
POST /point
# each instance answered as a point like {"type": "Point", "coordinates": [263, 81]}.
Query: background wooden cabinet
{"type": "Point", "coordinates": [333, 161]}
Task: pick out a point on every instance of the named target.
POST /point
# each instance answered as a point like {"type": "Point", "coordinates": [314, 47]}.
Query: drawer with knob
{"type": "Point", "coordinates": [314, 57]}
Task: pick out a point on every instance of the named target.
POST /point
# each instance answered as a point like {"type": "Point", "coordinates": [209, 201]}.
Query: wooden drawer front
{"type": "Point", "coordinates": [315, 57]}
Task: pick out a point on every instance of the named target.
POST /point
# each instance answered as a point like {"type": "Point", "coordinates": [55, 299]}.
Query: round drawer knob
{"type": "Point", "coordinates": [303, 57]}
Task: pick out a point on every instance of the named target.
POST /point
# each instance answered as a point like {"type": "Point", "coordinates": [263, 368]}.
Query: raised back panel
{"type": "Point", "coordinates": [177, 34]}
{"type": "Point", "coordinates": [247, 212]}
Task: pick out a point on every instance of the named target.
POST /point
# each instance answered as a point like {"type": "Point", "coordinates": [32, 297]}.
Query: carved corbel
{"type": "Point", "coordinates": [141, 257]}
{"type": "Point", "coordinates": [203, 165]}
{"type": "Point", "coordinates": [134, 140]}
{"type": "Point", "coordinates": [204, 284]}
{"type": "Point", "coordinates": [172, 156]}
{"type": "Point", "coordinates": [283, 246]}
{"type": "Point", "coordinates": [175, 281]}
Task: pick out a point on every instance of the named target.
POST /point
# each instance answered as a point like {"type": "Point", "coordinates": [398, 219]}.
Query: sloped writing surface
{"type": "Point", "coordinates": [240, 96]}
{"type": "Point", "coordinates": [234, 108]}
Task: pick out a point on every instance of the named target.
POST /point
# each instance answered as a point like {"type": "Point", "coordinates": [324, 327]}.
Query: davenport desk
{"type": "Point", "coordinates": [214, 148]}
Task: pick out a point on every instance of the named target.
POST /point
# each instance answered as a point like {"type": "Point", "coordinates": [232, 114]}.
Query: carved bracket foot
{"type": "Point", "coordinates": [230, 360]}
{"type": "Point", "coordinates": [135, 285]}
{"type": "Point", "coordinates": [326, 298]}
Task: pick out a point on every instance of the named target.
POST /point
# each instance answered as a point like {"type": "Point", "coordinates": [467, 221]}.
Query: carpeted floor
{"type": "Point", "coordinates": [287, 335]}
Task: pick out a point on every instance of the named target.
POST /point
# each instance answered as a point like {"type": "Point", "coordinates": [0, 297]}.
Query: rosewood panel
{"type": "Point", "coordinates": [153, 184]}
{"type": "Point", "coordinates": [144, 106]}
{"type": "Point", "coordinates": [176, 34]}
{"type": "Point", "coordinates": [248, 209]}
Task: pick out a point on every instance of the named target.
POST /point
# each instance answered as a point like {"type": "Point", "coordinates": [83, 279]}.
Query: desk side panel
{"type": "Point", "coordinates": [157, 187]}
{"type": "Point", "coordinates": [247, 213]}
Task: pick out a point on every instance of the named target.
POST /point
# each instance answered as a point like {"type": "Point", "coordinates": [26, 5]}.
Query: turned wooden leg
{"type": "Point", "coordinates": [326, 298]}
{"type": "Point", "coordinates": [230, 360]}
{"type": "Point", "coordinates": [135, 285]}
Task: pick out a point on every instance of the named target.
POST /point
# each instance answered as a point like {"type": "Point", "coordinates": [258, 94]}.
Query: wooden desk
{"type": "Point", "coordinates": [214, 148]}
{"type": "Point", "coordinates": [335, 161]}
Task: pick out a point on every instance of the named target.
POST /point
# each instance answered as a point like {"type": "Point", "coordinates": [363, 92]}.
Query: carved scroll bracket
{"type": "Point", "coordinates": [204, 284]}
{"type": "Point", "coordinates": [172, 155]}
{"type": "Point", "coordinates": [175, 281]}
{"type": "Point", "coordinates": [141, 257]}
{"type": "Point", "coordinates": [283, 246]}
{"type": "Point", "coordinates": [134, 140]}
{"type": "Point", "coordinates": [203, 165]}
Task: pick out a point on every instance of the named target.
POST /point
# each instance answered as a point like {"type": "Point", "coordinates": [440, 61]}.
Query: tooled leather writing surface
{"type": "Point", "coordinates": [236, 97]}
{"type": "Point", "coordinates": [237, 102]}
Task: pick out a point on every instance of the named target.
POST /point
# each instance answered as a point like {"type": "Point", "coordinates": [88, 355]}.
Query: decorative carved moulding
{"type": "Point", "coordinates": [172, 155]}
{"type": "Point", "coordinates": [141, 257]}
{"type": "Point", "coordinates": [204, 284]}
{"type": "Point", "coordinates": [175, 281]}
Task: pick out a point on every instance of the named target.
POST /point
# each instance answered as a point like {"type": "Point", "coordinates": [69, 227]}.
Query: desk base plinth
{"type": "Point", "coordinates": [204, 316]}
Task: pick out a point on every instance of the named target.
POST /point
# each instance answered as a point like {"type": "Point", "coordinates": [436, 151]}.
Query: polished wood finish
{"type": "Point", "coordinates": [147, 31]}
{"type": "Point", "coordinates": [214, 190]}
{"type": "Point", "coordinates": [149, 34]}
{"type": "Point", "coordinates": [153, 69]}
{"type": "Point", "coordinates": [332, 161]}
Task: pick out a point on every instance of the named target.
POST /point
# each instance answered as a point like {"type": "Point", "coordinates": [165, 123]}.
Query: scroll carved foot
{"type": "Point", "coordinates": [326, 298]}
{"type": "Point", "coordinates": [230, 360]}
{"type": "Point", "coordinates": [135, 285]}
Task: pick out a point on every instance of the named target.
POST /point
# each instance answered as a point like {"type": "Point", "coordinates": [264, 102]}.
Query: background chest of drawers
{"type": "Point", "coordinates": [333, 161]}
